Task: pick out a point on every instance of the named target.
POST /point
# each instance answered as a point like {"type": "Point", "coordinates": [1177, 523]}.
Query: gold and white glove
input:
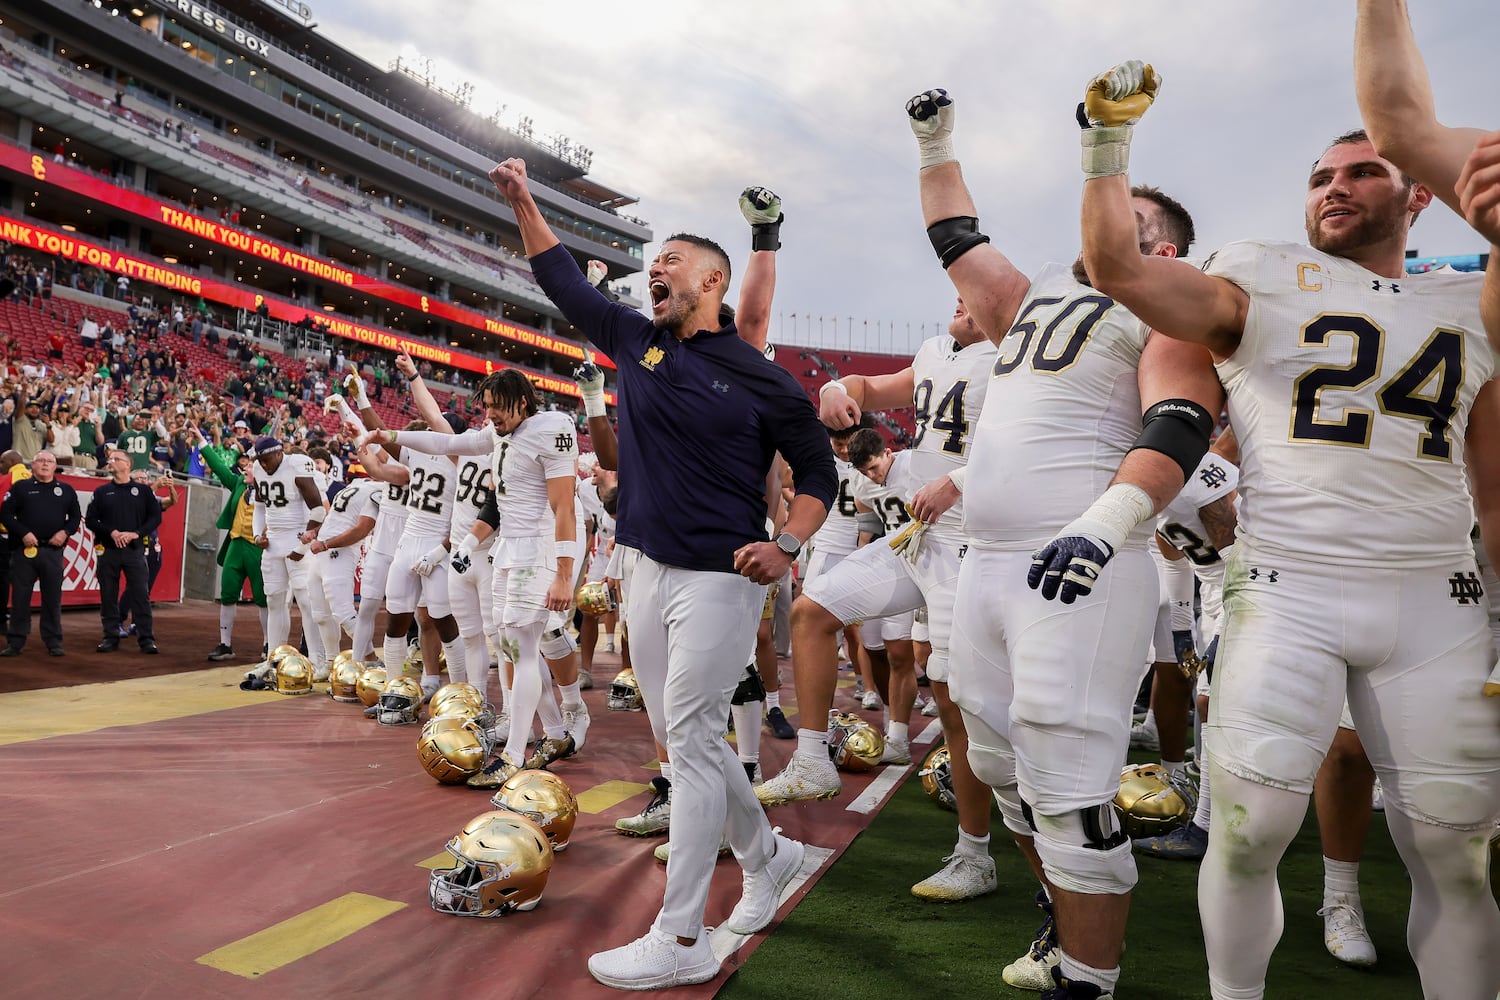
{"type": "Point", "coordinates": [908, 541]}
{"type": "Point", "coordinates": [354, 388]}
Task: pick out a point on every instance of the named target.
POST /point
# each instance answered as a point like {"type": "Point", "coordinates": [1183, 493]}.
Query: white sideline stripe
{"type": "Point", "coordinates": [932, 733]}
{"type": "Point", "coordinates": [869, 799]}
{"type": "Point", "coordinates": [726, 942]}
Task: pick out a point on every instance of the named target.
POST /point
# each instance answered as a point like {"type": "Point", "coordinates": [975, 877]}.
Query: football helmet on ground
{"type": "Point", "coordinates": [503, 860]}
{"type": "Point", "coordinates": [343, 678]}
{"type": "Point", "coordinates": [625, 693]}
{"type": "Point", "coordinates": [450, 748]}
{"type": "Point", "coordinates": [937, 778]}
{"type": "Point", "coordinates": [853, 744]}
{"type": "Point", "coordinates": [1151, 803]}
{"type": "Point", "coordinates": [543, 798]}
{"type": "Point", "coordinates": [400, 701]}
{"type": "Point", "coordinates": [371, 683]}
{"type": "Point", "coordinates": [294, 675]}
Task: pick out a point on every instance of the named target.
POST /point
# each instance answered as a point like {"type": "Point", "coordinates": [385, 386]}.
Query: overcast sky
{"type": "Point", "coordinates": [685, 102]}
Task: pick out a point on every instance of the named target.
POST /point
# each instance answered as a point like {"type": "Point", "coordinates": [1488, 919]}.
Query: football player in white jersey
{"type": "Point", "coordinates": [1351, 384]}
{"type": "Point", "coordinates": [334, 558]}
{"type": "Point", "coordinates": [288, 512]}
{"type": "Point", "coordinates": [881, 474]}
{"type": "Point", "coordinates": [535, 454]}
{"type": "Point", "coordinates": [946, 383]}
{"type": "Point", "coordinates": [419, 569]}
{"type": "Point", "coordinates": [1047, 696]}
{"type": "Point", "coordinates": [840, 536]}
{"type": "Point", "coordinates": [599, 479]}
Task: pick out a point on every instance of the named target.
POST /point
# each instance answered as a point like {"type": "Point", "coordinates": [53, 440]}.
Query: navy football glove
{"type": "Point", "coordinates": [1068, 566]}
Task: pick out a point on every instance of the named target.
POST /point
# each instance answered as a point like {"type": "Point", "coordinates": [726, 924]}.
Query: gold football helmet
{"type": "Point", "coordinates": [853, 743]}
{"type": "Point", "coordinates": [595, 599]}
{"type": "Point", "coordinates": [455, 693]}
{"type": "Point", "coordinates": [1150, 803]}
{"type": "Point", "coordinates": [371, 682]}
{"type": "Point", "coordinates": [343, 678]}
{"type": "Point", "coordinates": [625, 693]}
{"type": "Point", "coordinates": [543, 798]}
{"type": "Point", "coordinates": [400, 702]}
{"type": "Point", "coordinates": [450, 749]}
{"type": "Point", "coordinates": [503, 863]}
{"type": "Point", "coordinates": [281, 651]}
{"type": "Point", "coordinates": [937, 778]}
{"type": "Point", "coordinates": [294, 675]}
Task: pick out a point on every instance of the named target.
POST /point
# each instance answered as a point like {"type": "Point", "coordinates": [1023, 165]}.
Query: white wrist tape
{"type": "Point", "coordinates": [1112, 517]}
{"type": "Point", "coordinates": [935, 151]}
{"type": "Point", "coordinates": [317, 514]}
{"type": "Point", "coordinates": [593, 404]}
{"type": "Point", "coordinates": [957, 477]}
{"type": "Point", "coordinates": [301, 549]}
{"type": "Point", "coordinates": [468, 544]}
{"type": "Point", "coordinates": [1106, 150]}
{"type": "Point", "coordinates": [566, 550]}
{"type": "Point", "coordinates": [835, 384]}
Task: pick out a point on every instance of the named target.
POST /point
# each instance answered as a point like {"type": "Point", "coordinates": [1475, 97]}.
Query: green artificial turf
{"type": "Point", "coordinates": [860, 933]}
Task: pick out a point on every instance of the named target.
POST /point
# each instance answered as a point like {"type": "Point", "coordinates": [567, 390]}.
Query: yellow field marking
{"type": "Point", "coordinates": [846, 683]}
{"type": "Point", "coordinates": [299, 936]}
{"type": "Point", "coordinates": [440, 860]}
{"type": "Point", "coordinates": [608, 795]}
{"type": "Point", "coordinates": [655, 765]}
{"type": "Point", "coordinates": [85, 708]}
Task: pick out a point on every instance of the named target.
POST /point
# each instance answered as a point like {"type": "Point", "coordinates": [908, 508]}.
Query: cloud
{"type": "Point", "coordinates": [686, 103]}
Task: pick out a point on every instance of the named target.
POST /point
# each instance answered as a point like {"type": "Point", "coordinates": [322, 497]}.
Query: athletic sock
{"type": "Point", "coordinates": [773, 699]}
{"type": "Point", "coordinates": [1340, 881]}
{"type": "Point", "coordinates": [1072, 969]}
{"type": "Point", "coordinates": [812, 743]}
{"type": "Point", "coordinates": [896, 730]}
{"type": "Point", "coordinates": [226, 624]}
{"type": "Point", "coordinates": [971, 846]}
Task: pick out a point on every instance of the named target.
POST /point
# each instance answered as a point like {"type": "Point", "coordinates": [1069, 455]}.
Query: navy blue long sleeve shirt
{"type": "Point", "coordinates": [700, 421]}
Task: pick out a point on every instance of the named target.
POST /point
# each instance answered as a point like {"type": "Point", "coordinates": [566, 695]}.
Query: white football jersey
{"type": "Point", "coordinates": [889, 500]}
{"type": "Point", "coordinates": [839, 534]}
{"type": "Point", "coordinates": [391, 522]}
{"type": "Point", "coordinates": [1181, 525]}
{"type": "Point", "coordinates": [285, 510]}
{"type": "Point", "coordinates": [354, 501]}
{"type": "Point", "coordinates": [1350, 394]}
{"type": "Point", "coordinates": [950, 386]}
{"type": "Point", "coordinates": [593, 507]}
{"type": "Point", "coordinates": [429, 494]}
{"type": "Point", "coordinates": [544, 447]}
{"type": "Point", "coordinates": [1064, 409]}
{"type": "Point", "coordinates": [475, 479]}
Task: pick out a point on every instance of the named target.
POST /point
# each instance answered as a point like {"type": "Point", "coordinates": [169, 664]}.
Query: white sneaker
{"type": "Point", "coordinates": [1377, 797]}
{"type": "Point", "coordinates": [585, 680]}
{"type": "Point", "coordinates": [576, 721]}
{"type": "Point", "coordinates": [962, 878]}
{"type": "Point", "coordinates": [1344, 933]}
{"type": "Point", "coordinates": [896, 752]}
{"type": "Point", "coordinates": [930, 710]}
{"type": "Point", "coordinates": [655, 961]}
{"type": "Point", "coordinates": [871, 700]}
{"type": "Point", "coordinates": [762, 889]}
{"type": "Point", "coordinates": [804, 778]}
{"type": "Point", "coordinates": [321, 672]}
{"type": "Point", "coordinates": [609, 642]}
{"type": "Point", "coordinates": [1143, 736]}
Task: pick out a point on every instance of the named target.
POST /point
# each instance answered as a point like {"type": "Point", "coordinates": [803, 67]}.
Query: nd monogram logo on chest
{"type": "Point", "coordinates": [653, 357]}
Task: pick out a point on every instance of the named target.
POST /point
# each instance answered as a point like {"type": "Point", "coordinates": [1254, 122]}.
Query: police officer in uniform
{"type": "Point", "coordinates": [122, 514]}
{"type": "Point", "coordinates": [39, 515]}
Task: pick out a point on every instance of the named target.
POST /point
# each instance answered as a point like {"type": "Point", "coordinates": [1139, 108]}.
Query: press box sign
{"type": "Point", "coordinates": [209, 19]}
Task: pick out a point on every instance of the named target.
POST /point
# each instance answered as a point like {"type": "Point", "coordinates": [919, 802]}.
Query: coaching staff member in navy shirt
{"type": "Point", "coordinates": [702, 414]}
{"type": "Point", "coordinates": [39, 514]}
{"type": "Point", "coordinates": [122, 514]}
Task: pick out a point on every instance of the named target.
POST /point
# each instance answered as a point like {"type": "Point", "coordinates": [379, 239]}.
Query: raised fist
{"type": "Point", "coordinates": [1121, 95]}
{"type": "Point", "coordinates": [760, 206]}
{"type": "Point", "coordinates": [930, 115]}
{"type": "Point", "coordinates": [596, 272]}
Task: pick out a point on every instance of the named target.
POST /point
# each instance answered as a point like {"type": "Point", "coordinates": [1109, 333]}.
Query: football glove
{"type": "Point", "coordinates": [908, 541]}
{"type": "Point", "coordinates": [762, 209]}
{"type": "Point", "coordinates": [354, 388]}
{"type": "Point", "coordinates": [590, 379]}
{"type": "Point", "coordinates": [431, 561]}
{"type": "Point", "coordinates": [1068, 566]}
{"type": "Point", "coordinates": [1121, 95]}
{"type": "Point", "coordinates": [463, 555]}
{"type": "Point", "coordinates": [931, 120]}
{"type": "Point", "coordinates": [1186, 653]}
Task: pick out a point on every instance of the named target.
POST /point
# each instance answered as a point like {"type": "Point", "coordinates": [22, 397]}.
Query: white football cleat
{"type": "Point", "coordinates": [804, 778]}
{"type": "Point", "coordinates": [1344, 933]}
{"type": "Point", "coordinates": [655, 961]}
{"type": "Point", "coordinates": [961, 878]}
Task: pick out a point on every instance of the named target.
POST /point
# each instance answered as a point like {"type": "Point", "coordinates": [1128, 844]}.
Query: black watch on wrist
{"type": "Point", "coordinates": [788, 543]}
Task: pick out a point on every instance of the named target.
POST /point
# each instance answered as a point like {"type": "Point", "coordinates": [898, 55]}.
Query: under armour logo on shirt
{"type": "Point", "coordinates": [721, 386]}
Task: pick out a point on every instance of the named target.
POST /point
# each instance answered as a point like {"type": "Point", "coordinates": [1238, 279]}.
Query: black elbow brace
{"type": "Point", "coordinates": [1179, 429]}
{"type": "Point", "coordinates": [952, 238]}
